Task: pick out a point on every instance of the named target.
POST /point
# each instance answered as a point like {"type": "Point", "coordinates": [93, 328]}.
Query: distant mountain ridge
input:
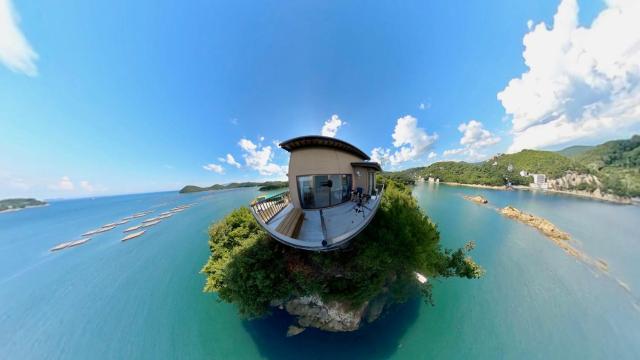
{"type": "Point", "coordinates": [575, 150]}
{"type": "Point", "coordinates": [264, 186]}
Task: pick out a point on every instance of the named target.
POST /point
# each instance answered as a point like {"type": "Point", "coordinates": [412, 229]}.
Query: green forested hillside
{"type": "Point", "coordinates": [617, 162]}
{"type": "Point", "coordinates": [499, 169]}
{"type": "Point", "coordinates": [267, 185]}
{"type": "Point", "coordinates": [572, 151]}
{"type": "Point", "coordinates": [12, 204]}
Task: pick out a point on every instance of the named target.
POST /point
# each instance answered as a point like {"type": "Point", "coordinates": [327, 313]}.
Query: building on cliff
{"type": "Point", "coordinates": [332, 195]}
{"type": "Point", "coordinates": [539, 181]}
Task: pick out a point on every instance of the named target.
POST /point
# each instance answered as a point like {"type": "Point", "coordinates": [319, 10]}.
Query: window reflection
{"type": "Point", "coordinates": [318, 191]}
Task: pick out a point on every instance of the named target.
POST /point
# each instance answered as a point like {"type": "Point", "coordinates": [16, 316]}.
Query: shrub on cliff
{"type": "Point", "coordinates": [249, 269]}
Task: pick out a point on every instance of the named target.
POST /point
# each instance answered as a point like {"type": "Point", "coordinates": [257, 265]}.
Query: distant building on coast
{"type": "Point", "coordinates": [539, 181]}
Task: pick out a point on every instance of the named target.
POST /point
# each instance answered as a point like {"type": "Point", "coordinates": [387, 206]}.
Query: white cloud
{"type": "Point", "coordinates": [85, 185]}
{"type": "Point", "coordinates": [474, 138]}
{"type": "Point", "coordinates": [432, 155]}
{"type": "Point", "coordinates": [582, 82]}
{"type": "Point", "coordinates": [331, 126]}
{"type": "Point", "coordinates": [230, 160]}
{"type": "Point", "coordinates": [424, 106]}
{"type": "Point", "coordinates": [260, 158]}
{"type": "Point", "coordinates": [453, 152]}
{"type": "Point", "coordinates": [214, 168]}
{"type": "Point", "coordinates": [410, 141]}
{"type": "Point", "coordinates": [15, 51]}
{"type": "Point", "coordinates": [64, 184]}
{"type": "Point", "coordinates": [529, 24]}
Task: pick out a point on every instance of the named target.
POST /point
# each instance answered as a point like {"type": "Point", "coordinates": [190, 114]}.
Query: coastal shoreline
{"type": "Point", "coordinates": [23, 208]}
{"type": "Point", "coordinates": [621, 201]}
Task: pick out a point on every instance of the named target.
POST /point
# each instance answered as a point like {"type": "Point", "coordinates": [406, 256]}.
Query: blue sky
{"type": "Point", "coordinates": [108, 97]}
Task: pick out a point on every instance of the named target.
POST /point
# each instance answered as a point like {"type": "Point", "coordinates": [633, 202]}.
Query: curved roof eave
{"type": "Point", "coordinates": [322, 141]}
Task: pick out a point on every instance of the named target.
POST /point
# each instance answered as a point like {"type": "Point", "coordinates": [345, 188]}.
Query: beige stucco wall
{"type": "Point", "coordinates": [321, 161]}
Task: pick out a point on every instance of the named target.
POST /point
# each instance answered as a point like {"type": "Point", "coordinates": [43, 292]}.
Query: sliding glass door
{"type": "Point", "coordinates": [318, 191]}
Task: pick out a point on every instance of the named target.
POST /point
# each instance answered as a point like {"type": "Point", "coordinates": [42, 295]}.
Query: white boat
{"type": "Point", "coordinates": [150, 220]}
{"type": "Point", "coordinates": [69, 244]}
{"type": "Point", "coordinates": [134, 235]}
{"type": "Point", "coordinates": [123, 221]}
{"type": "Point", "coordinates": [151, 223]}
{"type": "Point", "coordinates": [132, 228]}
{"type": "Point", "coordinates": [98, 231]}
{"type": "Point", "coordinates": [164, 216]}
{"type": "Point", "coordinates": [109, 225]}
{"type": "Point", "coordinates": [61, 246]}
{"type": "Point", "coordinates": [78, 242]}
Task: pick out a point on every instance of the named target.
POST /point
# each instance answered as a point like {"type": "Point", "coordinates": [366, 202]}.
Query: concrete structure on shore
{"type": "Point", "coordinates": [539, 182]}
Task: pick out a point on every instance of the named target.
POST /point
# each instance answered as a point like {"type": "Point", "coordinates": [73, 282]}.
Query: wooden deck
{"type": "Point", "coordinates": [319, 230]}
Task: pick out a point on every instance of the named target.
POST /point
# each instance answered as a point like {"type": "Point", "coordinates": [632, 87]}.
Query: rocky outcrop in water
{"type": "Point", "coordinates": [477, 199]}
{"type": "Point", "coordinates": [544, 225]}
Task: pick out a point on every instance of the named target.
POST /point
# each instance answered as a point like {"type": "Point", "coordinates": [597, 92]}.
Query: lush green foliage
{"type": "Point", "coordinates": [573, 151]}
{"type": "Point", "coordinates": [273, 185]}
{"type": "Point", "coordinates": [249, 269]}
{"type": "Point", "coordinates": [8, 204]}
{"type": "Point", "coordinates": [617, 164]}
{"type": "Point", "coordinates": [496, 171]}
{"type": "Point", "coordinates": [264, 186]}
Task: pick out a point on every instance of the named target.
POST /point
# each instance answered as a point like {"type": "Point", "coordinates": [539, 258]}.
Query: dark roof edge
{"type": "Point", "coordinates": [322, 141]}
{"type": "Point", "coordinates": [368, 164]}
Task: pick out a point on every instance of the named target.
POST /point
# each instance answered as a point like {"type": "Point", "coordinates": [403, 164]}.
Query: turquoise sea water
{"type": "Point", "coordinates": [143, 298]}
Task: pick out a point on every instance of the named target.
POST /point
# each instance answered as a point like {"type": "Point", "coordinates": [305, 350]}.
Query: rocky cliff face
{"type": "Point", "coordinates": [334, 316]}
{"type": "Point", "coordinates": [572, 180]}
{"type": "Point", "coordinates": [584, 185]}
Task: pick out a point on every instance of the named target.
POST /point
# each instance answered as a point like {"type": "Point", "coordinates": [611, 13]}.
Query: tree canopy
{"type": "Point", "coordinates": [249, 269]}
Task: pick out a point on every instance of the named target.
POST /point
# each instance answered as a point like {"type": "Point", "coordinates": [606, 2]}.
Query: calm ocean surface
{"type": "Point", "coordinates": [143, 298]}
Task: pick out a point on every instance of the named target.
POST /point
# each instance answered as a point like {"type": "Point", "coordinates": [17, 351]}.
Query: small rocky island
{"type": "Point", "coordinates": [544, 225]}
{"type": "Point", "coordinates": [18, 204]}
{"type": "Point", "coordinates": [262, 186]}
{"type": "Point", "coordinates": [392, 260]}
{"type": "Point", "coordinates": [476, 199]}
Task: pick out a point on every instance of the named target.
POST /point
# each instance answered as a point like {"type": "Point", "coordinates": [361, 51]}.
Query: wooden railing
{"type": "Point", "coordinates": [270, 207]}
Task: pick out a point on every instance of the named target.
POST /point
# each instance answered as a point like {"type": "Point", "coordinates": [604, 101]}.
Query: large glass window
{"type": "Point", "coordinates": [318, 191]}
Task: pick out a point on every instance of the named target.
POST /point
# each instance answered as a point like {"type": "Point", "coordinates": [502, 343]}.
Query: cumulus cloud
{"type": "Point", "coordinates": [260, 158]}
{"type": "Point", "coordinates": [582, 81]}
{"type": "Point", "coordinates": [229, 159]}
{"type": "Point", "coordinates": [331, 126]}
{"type": "Point", "coordinates": [15, 51]}
{"type": "Point", "coordinates": [64, 184]}
{"type": "Point", "coordinates": [432, 155]}
{"type": "Point", "coordinates": [410, 142]}
{"type": "Point", "coordinates": [83, 186]}
{"type": "Point", "coordinates": [474, 135]}
{"type": "Point", "coordinates": [214, 168]}
{"type": "Point", "coordinates": [474, 138]}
